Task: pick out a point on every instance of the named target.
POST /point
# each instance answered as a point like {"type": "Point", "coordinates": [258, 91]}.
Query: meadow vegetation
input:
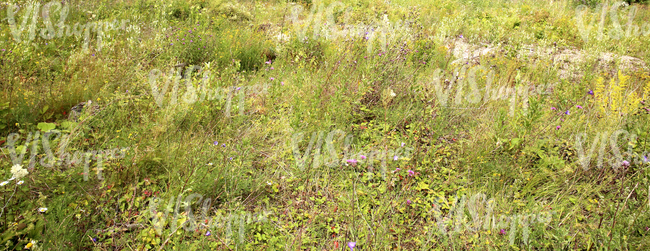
{"type": "Point", "coordinates": [540, 144]}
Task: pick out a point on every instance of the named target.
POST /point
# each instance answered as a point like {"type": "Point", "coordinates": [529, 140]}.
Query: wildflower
{"type": "Point", "coordinates": [579, 106]}
{"type": "Point", "coordinates": [553, 108]}
{"type": "Point", "coordinates": [351, 245]}
{"type": "Point", "coordinates": [29, 245]}
{"type": "Point", "coordinates": [42, 209]}
{"type": "Point", "coordinates": [567, 112]}
{"type": "Point", "coordinates": [408, 202]}
{"type": "Point", "coordinates": [590, 92]}
{"type": "Point", "coordinates": [645, 159]}
{"type": "Point", "coordinates": [625, 163]}
{"type": "Point", "coordinates": [268, 62]}
{"type": "Point", "coordinates": [362, 157]}
{"type": "Point", "coordinates": [216, 143]}
{"type": "Point", "coordinates": [18, 172]}
{"type": "Point", "coordinates": [503, 231]}
{"type": "Point", "coordinates": [269, 183]}
{"type": "Point", "coordinates": [395, 158]}
{"type": "Point", "coordinates": [411, 173]}
{"type": "Point", "coordinates": [20, 182]}
{"type": "Point", "coordinates": [557, 127]}
{"type": "Point", "coordinates": [224, 145]}
{"type": "Point", "coordinates": [352, 161]}
{"type": "Point", "coordinates": [4, 183]}
{"type": "Point", "coordinates": [272, 78]}
{"type": "Point", "coordinates": [94, 239]}
{"type": "Point", "coordinates": [403, 144]}
{"type": "Point", "coordinates": [12, 178]}
{"type": "Point", "coordinates": [272, 68]}
{"type": "Point", "coordinates": [238, 88]}
{"type": "Point", "coordinates": [282, 83]}
{"type": "Point", "coordinates": [209, 164]}
{"type": "Point", "coordinates": [230, 158]}
{"type": "Point", "coordinates": [207, 233]}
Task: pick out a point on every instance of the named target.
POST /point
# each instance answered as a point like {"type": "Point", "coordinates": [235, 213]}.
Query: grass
{"type": "Point", "coordinates": [500, 172]}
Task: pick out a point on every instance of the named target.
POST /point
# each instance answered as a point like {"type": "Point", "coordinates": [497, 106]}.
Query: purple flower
{"type": "Point", "coordinates": [408, 202]}
{"type": "Point", "coordinates": [625, 163]}
{"type": "Point", "coordinates": [567, 112]}
{"type": "Point", "coordinates": [207, 234]}
{"type": "Point", "coordinates": [461, 36]}
{"type": "Point", "coordinates": [395, 158]}
{"type": "Point", "coordinates": [238, 88]}
{"type": "Point", "coordinates": [363, 157]}
{"type": "Point", "coordinates": [216, 143]}
{"type": "Point", "coordinates": [579, 106]}
{"type": "Point", "coordinates": [503, 231]}
{"type": "Point", "coordinates": [93, 54]}
{"type": "Point", "coordinates": [224, 145]}
{"type": "Point", "coordinates": [645, 159]}
{"type": "Point", "coordinates": [590, 92]}
{"type": "Point", "coordinates": [411, 173]}
{"type": "Point", "coordinates": [352, 161]}
{"type": "Point", "coordinates": [351, 245]}
{"type": "Point", "coordinates": [558, 127]}
{"type": "Point", "coordinates": [403, 144]}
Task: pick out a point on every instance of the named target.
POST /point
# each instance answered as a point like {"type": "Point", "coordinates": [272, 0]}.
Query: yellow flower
{"type": "Point", "coordinates": [29, 245]}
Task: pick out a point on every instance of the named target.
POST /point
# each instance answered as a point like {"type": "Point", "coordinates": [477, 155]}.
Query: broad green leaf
{"type": "Point", "coordinates": [45, 127]}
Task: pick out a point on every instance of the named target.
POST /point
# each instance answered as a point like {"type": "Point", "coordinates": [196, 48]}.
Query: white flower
{"type": "Point", "coordinates": [4, 183]}
{"type": "Point", "coordinates": [12, 178]}
{"type": "Point", "coordinates": [42, 209]}
{"type": "Point", "coordinates": [209, 164]}
{"type": "Point", "coordinates": [269, 183]}
{"type": "Point", "coordinates": [18, 172]}
{"type": "Point", "coordinates": [392, 93]}
{"type": "Point", "coordinates": [20, 182]}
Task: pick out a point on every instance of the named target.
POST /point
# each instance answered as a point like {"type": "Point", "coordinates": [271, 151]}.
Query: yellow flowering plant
{"type": "Point", "coordinates": [614, 99]}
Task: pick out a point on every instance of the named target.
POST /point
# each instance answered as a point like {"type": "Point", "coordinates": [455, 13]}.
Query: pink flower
{"type": "Point", "coordinates": [553, 108]}
{"type": "Point", "coordinates": [408, 202]}
{"type": "Point", "coordinates": [411, 173]}
{"type": "Point", "coordinates": [503, 231]}
{"type": "Point", "coordinates": [579, 106]}
{"type": "Point", "coordinates": [363, 157]}
{"type": "Point", "coordinates": [557, 127]}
